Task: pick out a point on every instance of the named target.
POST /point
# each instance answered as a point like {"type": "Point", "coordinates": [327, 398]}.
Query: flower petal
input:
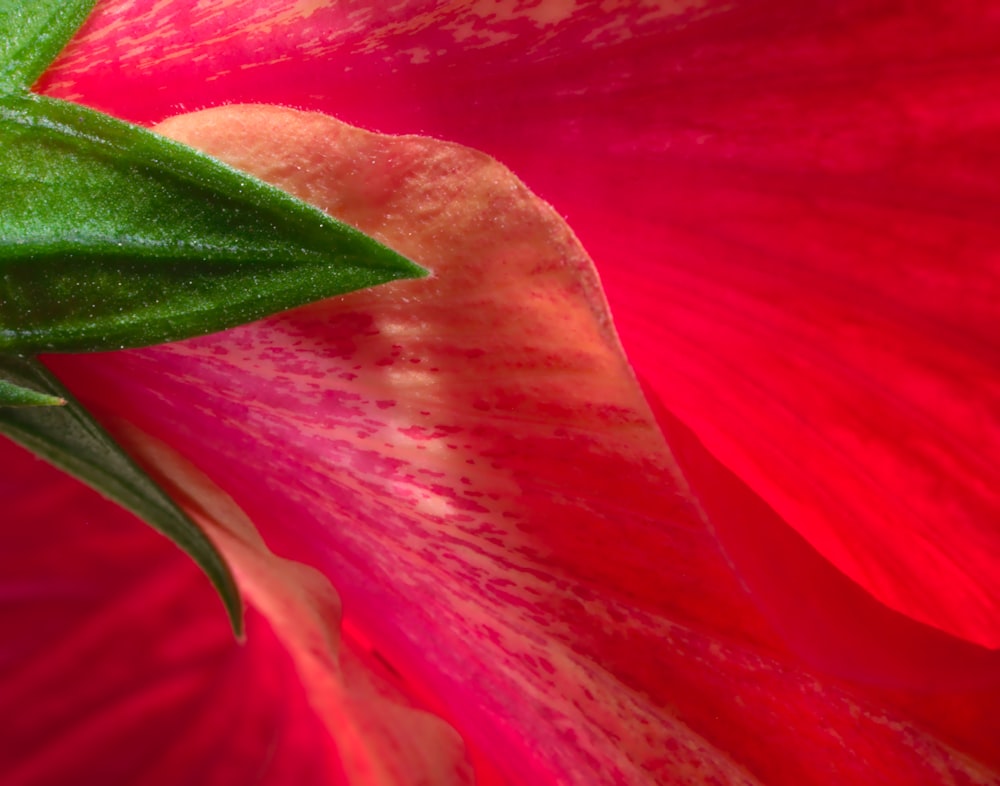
{"type": "Point", "coordinates": [470, 460]}
{"type": "Point", "coordinates": [115, 661]}
{"type": "Point", "coordinates": [793, 210]}
{"type": "Point", "coordinates": [381, 738]}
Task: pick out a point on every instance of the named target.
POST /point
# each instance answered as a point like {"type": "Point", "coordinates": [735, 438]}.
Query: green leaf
{"type": "Point", "coordinates": [70, 439]}
{"type": "Point", "coordinates": [12, 395]}
{"type": "Point", "coordinates": [32, 33]}
{"type": "Point", "coordinates": [112, 237]}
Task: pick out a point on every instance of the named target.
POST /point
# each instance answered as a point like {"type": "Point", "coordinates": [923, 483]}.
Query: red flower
{"type": "Point", "coordinates": [792, 210]}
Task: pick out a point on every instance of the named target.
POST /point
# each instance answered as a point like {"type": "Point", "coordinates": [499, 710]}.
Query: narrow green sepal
{"type": "Point", "coordinates": [70, 439]}
{"type": "Point", "coordinates": [12, 395]}
{"type": "Point", "coordinates": [32, 33]}
{"type": "Point", "coordinates": [112, 237]}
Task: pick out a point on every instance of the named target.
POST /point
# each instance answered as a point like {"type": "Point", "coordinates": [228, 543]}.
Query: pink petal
{"type": "Point", "coordinates": [471, 462]}
{"type": "Point", "coordinates": [380, 735]}
{"type": "Point", "coordinates": [116, 662]}
{"type": "Point", "coordinates": [792, 207]}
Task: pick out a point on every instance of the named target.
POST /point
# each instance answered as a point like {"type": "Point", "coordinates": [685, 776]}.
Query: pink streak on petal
{"type": "Point", "coordinates": [792, 207]}
{"type": "Point", "coordinates": [382, 739]}
{"type": "Point", "coordinates": [502, 519]}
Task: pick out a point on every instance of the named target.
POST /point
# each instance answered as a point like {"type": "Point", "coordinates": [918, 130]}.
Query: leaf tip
{"type": "Point", "coordinates": [235, 612]}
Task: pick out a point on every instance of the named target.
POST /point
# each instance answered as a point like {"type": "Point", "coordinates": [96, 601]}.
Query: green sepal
{"type": "Point", "coordinates": [70, 439]}
{"type": "Point", "coordinates": [32, 33]}
{"type": "Point", "coordinates": [12, 395]}
{"type": "Point", "coordinates": [112, 237]}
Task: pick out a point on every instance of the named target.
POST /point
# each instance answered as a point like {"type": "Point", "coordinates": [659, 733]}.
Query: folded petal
{"type": "Point", "coordinates": [792, 208]}
{"type": "Point", "coordinates": [471, 462]}
{"type": "Point", "coordinates": [376, 731]}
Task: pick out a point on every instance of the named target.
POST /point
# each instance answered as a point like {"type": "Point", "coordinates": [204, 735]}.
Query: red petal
{"type": "Point", "coordinates": [115, 664]}
{"type": "Point", "coordinates": [792, 207]}
{"type": "Point", "coordinates": [470, 460]}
